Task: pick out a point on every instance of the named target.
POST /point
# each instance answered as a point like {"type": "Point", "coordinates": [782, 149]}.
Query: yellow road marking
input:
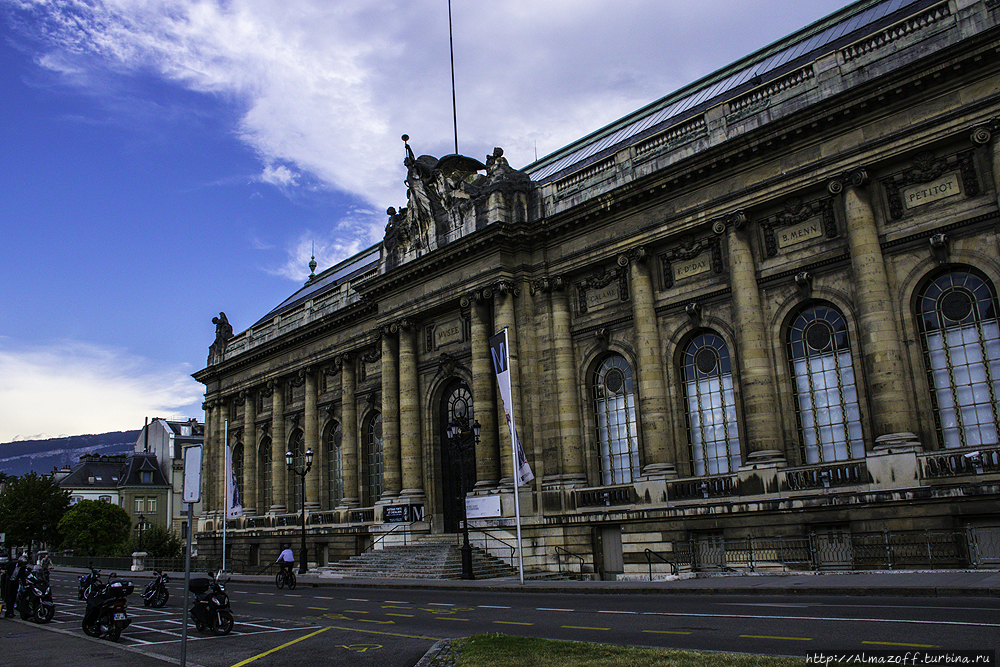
{"type": "Point", "coordinates": [668, 632]}
{"type": "Point", "coordinates": [320, 608]}
{"type": "Point", "coordinates": [285, 605]}
{"type": "Point", "coordinates": [450, 618]}
{"type": "Point", "coordinates": [798, 639]}
{"type": "Point", "coordinates": [583, 627]}
{"type": "Point", "coordinates": [252, 602]}
{"type": "Point", "coordinates": [389, 613]}
{"type": "Point", "coordinates": [902, 644]}
{"type": "Point", "coordinates": [379, 632]}
{"type": "Point", "coordinates": [278, 648]}
{"type": "Point", "coordinates": [512, 623]}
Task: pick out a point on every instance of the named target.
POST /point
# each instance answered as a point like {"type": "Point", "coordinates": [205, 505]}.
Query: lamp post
{"type": "Point", "coordinates": [459, 441]}
{"type": "Point", "coordinates": [290, 462]}
{"type": "Point", "coordinates": [142, 520]}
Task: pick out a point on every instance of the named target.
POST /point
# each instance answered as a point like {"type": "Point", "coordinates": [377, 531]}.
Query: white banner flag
{"type": "Point", "coordinates": [501, 363]}
{"type": "Point", "coordinates": [235, 507]}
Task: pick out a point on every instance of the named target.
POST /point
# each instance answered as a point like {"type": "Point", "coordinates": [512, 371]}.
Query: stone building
{"type": "Point", "coordinates": [166, 439]}
{"type": "Point", "coordinates": [762, 306]}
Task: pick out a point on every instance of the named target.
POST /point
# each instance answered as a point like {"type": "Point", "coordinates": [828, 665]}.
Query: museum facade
{"type": "Point", "coordinates": [763, 306]}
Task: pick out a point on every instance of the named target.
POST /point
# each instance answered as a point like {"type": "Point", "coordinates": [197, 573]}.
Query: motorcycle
{"type": "Point", "coordinates": [34, 598]}
{"type": "Point", "coordinates": [89, 583]}
{"type": "Point", "coordinates": [211, 610]}
{"type": "Point", "coordinates": [106, 614]}
{"type": "Point", "coordinates": [156, 593]}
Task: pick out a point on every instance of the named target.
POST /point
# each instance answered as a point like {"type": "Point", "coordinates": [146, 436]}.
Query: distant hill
{"type": "Point", "coordinates": [23, 456]}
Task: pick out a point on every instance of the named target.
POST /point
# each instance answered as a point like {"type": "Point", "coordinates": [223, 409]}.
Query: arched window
{"type": "Point", "coordinates": [335, 464]}
{"type": "Point", "coordinates": [826, 396]}
{"type": "Point", "coordinates": [458, 458]}
{"type": "Point", "coordinates": [614, 409]}
{"type": "Point", "coordinates": [264, 475]}
{"type": "Point", "coordinates": [957, 318]}
{"type": "Point", "coordinates": [293, 481]}
{"type": "Point", "coordinates": [711, 406]}
{"type": "Point", "coordinates": [238, 468]}
{"type": "Point", "coordinates": [372, 483]}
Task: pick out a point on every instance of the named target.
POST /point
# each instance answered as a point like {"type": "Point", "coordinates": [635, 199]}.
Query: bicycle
{"type": "Point", "coordinates": [286, 576]}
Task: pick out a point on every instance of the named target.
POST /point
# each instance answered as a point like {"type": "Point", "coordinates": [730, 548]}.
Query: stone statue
{"type": "Point", "coordinates": [223, 332]}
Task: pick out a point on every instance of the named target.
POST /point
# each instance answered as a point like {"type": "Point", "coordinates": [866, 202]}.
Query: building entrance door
{"type": "Point", "coordinates": [456, 457]}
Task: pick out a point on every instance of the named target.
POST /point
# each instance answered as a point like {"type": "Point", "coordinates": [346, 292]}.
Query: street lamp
{"type": "Point", "coordinates": [290, 462]}
{"type": "Point", "coordinates": [459, 442]}
{"type": "Point", "coordinates": [142, 519]}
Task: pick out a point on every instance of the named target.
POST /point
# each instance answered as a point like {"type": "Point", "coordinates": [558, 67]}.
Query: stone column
{"type": "Point", "coordinates": [881, 346]}
{"type": "Point", "coordinates": [985, 135]}
{"type": "Point", "coordinates": [392, 475]}
{"type": "Point", "coordinates": [657, 434]}
{"type": "Point", "coordinates": [756, 381]}
{"type": "Point", "coordinates": [349, 431]}
{"type": "Point", "coordinates": [411, 444]}
{"type": "Point", "coordinates": [249, 453]}
{"type": "Point", "coordinates": [218, 460]}
{"type": "Point", "coordinates": [503, 306]}
{"type": "Point", "coordinates": [571, 456]}
{"type": "Point", "coordinates": [278, 444]}
{"type": "Point", "coordinates": [483, 394]}
{"type": "Point", "coordinates": [208, 443]}
{"type": "Point", "coordinates": [311, 433]}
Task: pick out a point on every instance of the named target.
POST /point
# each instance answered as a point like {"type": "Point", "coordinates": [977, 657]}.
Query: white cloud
{"type": "Point", "coordinates": [326, 87]}
{"type": "Point", "coordinates": [75, 387]}
{"type": "Point", "coordinates": [353, 233]}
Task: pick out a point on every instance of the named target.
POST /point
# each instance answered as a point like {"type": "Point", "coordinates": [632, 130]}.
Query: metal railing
{"type": "Point", "coordinates": [838, 549]}
{"type": "Point", "coordinates": [398, 526]}
{"type": "Point", "coordinates": [492, 545]}
{"type": "Point", "coordinates": [123, 564]}
{"type": "Point", "coordinates": [561, 551]}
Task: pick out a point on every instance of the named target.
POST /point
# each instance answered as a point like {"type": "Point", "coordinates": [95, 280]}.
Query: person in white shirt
{"type": "Point", "coordinates": [286, 558]}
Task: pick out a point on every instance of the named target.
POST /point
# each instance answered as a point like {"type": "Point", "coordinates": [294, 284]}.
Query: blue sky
{"type": "Point", "coordinates": [168, 160]}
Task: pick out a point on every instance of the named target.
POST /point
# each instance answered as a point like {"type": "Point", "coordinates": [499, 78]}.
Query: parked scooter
{"type": "Point", "coordinates": [34, 599]}
{"type": "Point", "coordinates": [89, 584]}
{"type": "Point", "coordinates": [211, 610]}
{"type": "Point", "coordinates": [106, 614]}
{"type": "Point", "coordinates": [156, 593]}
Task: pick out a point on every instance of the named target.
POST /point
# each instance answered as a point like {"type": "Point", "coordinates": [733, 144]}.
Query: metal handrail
{"type": "Point", "coordinates": [649, 561]}
{"type": "Point", "coordinates": [563, 550]}
{"type": "Point", "coordinates": [371, 547]}
{"type": "Point", "coordinates": [486, 548]}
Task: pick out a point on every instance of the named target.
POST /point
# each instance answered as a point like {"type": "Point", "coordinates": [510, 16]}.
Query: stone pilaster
{"type": "Point", "coordinates": [657, 440]}
{"type": "Point", "coordinates": [881, 347]}
{"type": "Point", "coordinates": [349, 431]}
{"type": "Point", "coordinates": [570, 431]}
{"type": "Point", "coordinates": [208, 443]}
{"type": "Point", "coordinates": [411, 445]}
{"type": "Point", "coordinates": [503, 294]}
{"type": "Point", "coordinates": [392, 476]}
{"type": "Point", "coordinates": [278, 448]}
{"type": "Point", "coordinates": [483, 394]}
{"type": "Point", "coordinates": [249, 453]}
{"type": "Point", "coordinates": [757, 382]}
{"type": "Point", "coordinates": [986, 135]}
{"type": "Point", "coordinates": [311, 432]}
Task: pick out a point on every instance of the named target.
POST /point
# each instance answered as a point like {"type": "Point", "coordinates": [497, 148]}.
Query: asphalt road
{"type": "Point", "coordinates": [395, 627]}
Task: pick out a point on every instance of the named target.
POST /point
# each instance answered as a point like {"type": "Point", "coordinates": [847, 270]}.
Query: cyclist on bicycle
{"type": "Point", "coordinates": [287, 560]}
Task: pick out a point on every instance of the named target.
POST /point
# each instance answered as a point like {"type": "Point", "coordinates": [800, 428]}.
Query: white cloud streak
{"type": "Point", "coordinates": [73, 388]}
{"type": "Point", "coordinates": [326, 87]}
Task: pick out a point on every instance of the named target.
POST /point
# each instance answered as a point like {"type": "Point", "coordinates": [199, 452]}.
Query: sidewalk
{"type": "Point", "coordinates": [907, 583]}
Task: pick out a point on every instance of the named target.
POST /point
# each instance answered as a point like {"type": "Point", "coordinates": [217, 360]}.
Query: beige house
{"type": "Point", "coordinates": [762, 307]}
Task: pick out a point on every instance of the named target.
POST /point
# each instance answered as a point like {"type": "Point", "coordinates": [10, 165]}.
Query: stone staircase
{"type": "Point", "coordinates": [431, 557]}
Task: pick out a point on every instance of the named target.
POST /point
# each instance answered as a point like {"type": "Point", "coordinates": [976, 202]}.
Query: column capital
{"type": "Point", "coordinates": [635, 255]}
{"type": "Point", "coordinates": [737, 219]}
{"type": "Point", "coordinates": [856, 177]}
{"type": "Point", "coordinates": [982, 133]}
{"type": "Point", "coordinates": [500, 289]}
{"type": "Point", "coordinates": [547, 284]}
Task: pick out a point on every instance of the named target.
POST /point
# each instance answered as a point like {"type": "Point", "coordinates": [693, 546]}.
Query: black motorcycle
{"type": "Point", "coordinates": [89, 584]}
{"type": "Point", "coordinates": [156, 593]}
{"type": "Point", "coordinates": [34, 598]}
{"type": "Point", "coordinates": [211, 610]}
{"type": "Point", "coordinates": [106, 614]}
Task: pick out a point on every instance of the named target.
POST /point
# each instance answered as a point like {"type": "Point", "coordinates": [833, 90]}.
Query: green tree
{"type": "Point", "coordinates": [157, 542]}
{"type": "Point", "coordinates": [31, 508]}
{"type": "Point", "coordinates": [95, 528]}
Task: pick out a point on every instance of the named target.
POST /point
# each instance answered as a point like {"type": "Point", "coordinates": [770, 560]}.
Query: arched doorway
{"type": "Point", "coordinates": [456, 403]}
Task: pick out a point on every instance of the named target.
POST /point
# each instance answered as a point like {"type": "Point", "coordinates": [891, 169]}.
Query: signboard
{"type": "Point", "coordinates": [482, 507]}
{"type": "Point", "coordinates": [402, 513]}
{"type": "Point", "coordinates": [192, 474]}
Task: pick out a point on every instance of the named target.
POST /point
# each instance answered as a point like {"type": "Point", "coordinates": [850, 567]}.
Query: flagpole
{"type": "Point", "coordinates": [225, 495]}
